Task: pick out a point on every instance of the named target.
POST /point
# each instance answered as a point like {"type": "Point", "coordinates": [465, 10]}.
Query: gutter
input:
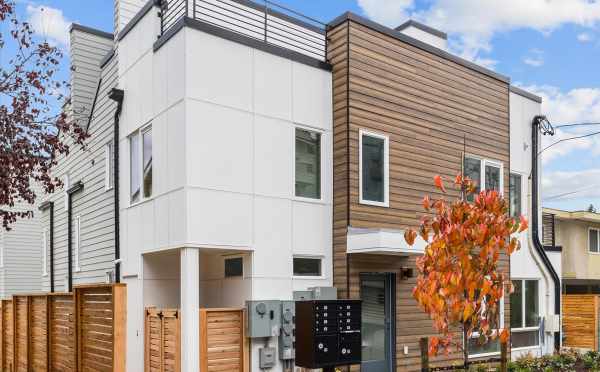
{"type": "Point", "coordinates": [70, 192]}
{"type": "Point", "coordinates": [50, 206]}
{"type": "Point", "coordinates": [117, 95]}
{"type": "Point", "coordinates": [535, 220]}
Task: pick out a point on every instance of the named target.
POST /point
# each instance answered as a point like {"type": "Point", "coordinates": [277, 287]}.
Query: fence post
{"type": "Point", "coordinates": [424, 346]}
{"type": "Point", "coordinates": [503, 356]}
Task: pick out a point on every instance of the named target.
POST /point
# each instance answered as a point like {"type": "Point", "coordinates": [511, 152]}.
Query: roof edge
{"type": "Point", "coordinates": [422, 27]}
{"type": "Point", "coordinates": [90, 30]}
{"type": "Point", "coordinates": [349, 16]}
{"type": "Point", "coordinates": [526, 94]}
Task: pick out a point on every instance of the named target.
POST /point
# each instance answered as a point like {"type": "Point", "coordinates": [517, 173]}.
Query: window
{"type": "Point", "coordinates": [66, 186]}
{"type": "Point", "coordinates": [515, 187]}
{"type": "Point", "coordinates": [476, 349]}
{"type": "Point", "coordinates": [140, 157]}
{"type": "Point", "coordinates": [234, 267]}
{"type": "Point", "coordinates": [77, 241]}
{"type": "Point", "coordinates": [374, 169]}
{"type": "Point", "coordinates": [490, 177]}
{"type": "Point", "coordinates": [308, 164]}
{"type": "Point", "coordinates": [109, 165]}
{"type": "Point", "coordinates": [45, 242]}
{"type": "Point", "coordinates": [594, 241]}
{"type": "Point", "coordinates": [524, 316]}
{"type": "Point", "coordinates": [304, 266]}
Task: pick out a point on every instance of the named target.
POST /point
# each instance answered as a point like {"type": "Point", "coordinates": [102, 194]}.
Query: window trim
{"type": "Point", "coordinates": [484, 163]}
{"type": "Point", "coordinates": [140, 133]}
{"type": "Point", "coordinates": [523, 328]}
{"type": "Point", "coordinates": [597, 230]}
{"type": "Point", "coordinates": [45, 241]}
{"type": "Point", "coordinates": [321, 161]}
{"type": "Point", "coordinates": [309, 277]}
{"type": "Point", "coordinates": [109, 160]}
{"type": "Point", "coordinates": [386, 169]}
{"type": "Point", "coordinates": [77, 250]}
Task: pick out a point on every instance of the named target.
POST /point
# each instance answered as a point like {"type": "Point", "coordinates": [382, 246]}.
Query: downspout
{"type": "Point", "coordinates": [534, 217]}
{"type": "Point", "coordinates": [117, 95]}
{"type": "Point", "coordinates": [50, 206]}
{"type": "Point", "coordinates": [70, 192]}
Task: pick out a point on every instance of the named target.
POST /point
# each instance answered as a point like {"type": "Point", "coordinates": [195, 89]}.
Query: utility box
{"type": "Point", "coordinates": [263, 318]}
{"type": "Point", "coordinates": [287, 335]}
{"type": "Point", "coordinates": [266, 357]}
{"type": "Point", "coordinates": [328, 333]}
{"type": "Point", "coordinates": [324, 293]}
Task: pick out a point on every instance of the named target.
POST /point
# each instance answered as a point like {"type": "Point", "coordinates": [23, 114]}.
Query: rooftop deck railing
{"type": "Point", "coordinates": [268, 22]}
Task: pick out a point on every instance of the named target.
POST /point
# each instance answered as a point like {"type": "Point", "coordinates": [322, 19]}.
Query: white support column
{"type": "Point", "coordinates": [190, 302]}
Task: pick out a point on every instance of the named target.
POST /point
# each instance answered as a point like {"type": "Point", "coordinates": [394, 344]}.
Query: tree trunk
{"type": "Point", "coordinates": [465, 348]}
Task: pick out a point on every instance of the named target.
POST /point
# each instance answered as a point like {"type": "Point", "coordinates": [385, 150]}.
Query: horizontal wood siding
{"type": "Point", "coordinates": [432, 109]}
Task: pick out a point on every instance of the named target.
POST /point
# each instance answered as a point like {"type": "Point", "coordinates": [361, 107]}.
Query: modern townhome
{"type": "Point", "coordinates": [22, 264]}
{"type": "Point", "coordinates": [406, 110]}
{"type": "Point", "coordinates": [533, 321]}
{"type": "Point", "coordinates": [577, 235]}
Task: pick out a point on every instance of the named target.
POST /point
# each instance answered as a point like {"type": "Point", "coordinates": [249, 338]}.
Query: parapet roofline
{"type": "Point", "coordinates": [526, 94]}
{"type": "Point", "coordinates": [349, 16]}
{"type": "Point", "coordinates": [90, 30]}
{"type": "Point", "coordinates": [422, 27]}
{"type": "Point", "coordinates": [575, 215]}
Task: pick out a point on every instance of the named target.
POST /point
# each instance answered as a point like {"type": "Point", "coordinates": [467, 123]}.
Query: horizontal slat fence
{"type": "Point", "coordinates": [163, 340]}
{"type": "Point", "coordinates": [580, 321]}
{"type": "Point", "coordinates": [79, 331]}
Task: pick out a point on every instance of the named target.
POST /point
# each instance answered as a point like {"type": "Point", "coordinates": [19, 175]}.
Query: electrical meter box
{"type": "Point", "coordinates": [263, 318]}
{"type": "Point", "coordinates": [328, 333]}
{"type": "Point", "coordinates": [287, 335]}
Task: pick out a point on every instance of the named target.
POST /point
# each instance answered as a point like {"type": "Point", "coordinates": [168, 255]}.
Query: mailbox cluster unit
{"type": "Point", "coordinates": [328, 333]}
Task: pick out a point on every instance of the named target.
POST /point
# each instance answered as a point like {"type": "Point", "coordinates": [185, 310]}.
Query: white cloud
{"type": "Point", "coordinates": [535, 58]}
{"type": "Point", "coordinates": [49, 23]}
{"type": "Point", "coordinates": [473, 23]}
{"type": "Point", "coordinates": [585, 37]}
{"type": "Point", "coordinates": [575, 106]}
{"type": "Point", "coordinates": [565, 185]}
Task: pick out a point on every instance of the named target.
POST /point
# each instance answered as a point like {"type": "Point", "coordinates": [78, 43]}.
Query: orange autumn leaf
{"type": "Point", "coordinates": [504, 336]}
{"type": "Point", "coordinates": [410, 235]}
{"type": "Point", "coordinates": [439, 183]}
{"type": "Point", "coordinates": [524, 223]}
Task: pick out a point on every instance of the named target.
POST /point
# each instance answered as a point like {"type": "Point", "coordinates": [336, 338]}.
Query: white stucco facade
{"type": "Point", "coordinates": [526, 263]}
{"type": "Point", "coordinates": [223, 118]}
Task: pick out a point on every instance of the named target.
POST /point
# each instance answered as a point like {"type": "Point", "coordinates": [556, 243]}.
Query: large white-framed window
{"type": "Point", "coordinates": [109, 161]}
{"type": "Point", "coordinates": [140, 165]}
{"type": "Point", "coordinates": [492, 347]}
{"type": "Point", "coordinates": [487, 174]}
{"type": "Point", "coordinates": [77, 241]}
{"type": "Point", "coordinates": [516, 195]}
{"type": "Point", "coordinates": [307, 266]}
{"type": "Point", "coordinates": [524, 315]}
{"type": "Point", "coordinates": [45, 242]}
{"type": "Point", "coordinates": [594, 240]}
{"type": "Point", "coordinates": [307, 163]}
{"type": "Point", "coordinates": [374, 168]}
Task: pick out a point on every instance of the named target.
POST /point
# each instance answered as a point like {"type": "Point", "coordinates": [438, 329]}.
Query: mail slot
{"type": "Point", "coordinates": [328, 333]}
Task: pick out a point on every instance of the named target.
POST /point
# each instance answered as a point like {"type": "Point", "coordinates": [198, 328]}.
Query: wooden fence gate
{"type": "Point", "coordinates": [79, 331]}
{"type": "Point", "coordinates": [223, 342]}
{"type": "Point", "coordinates": [580, 321]}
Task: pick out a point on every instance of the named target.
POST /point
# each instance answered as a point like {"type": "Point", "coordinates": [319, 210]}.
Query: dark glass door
{"type": "Point", "coordinates": [377, 292]}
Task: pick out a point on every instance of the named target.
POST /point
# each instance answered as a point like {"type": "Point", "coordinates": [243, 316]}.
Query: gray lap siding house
{"type": "Point", "coordinates": [94, 74]}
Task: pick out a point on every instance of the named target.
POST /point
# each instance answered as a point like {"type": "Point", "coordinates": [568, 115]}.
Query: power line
{"type": "Point", "coordinates": [569, 139]}
{"type": "Point", "coordinates": [576, 125]}
{"type": "Point", "coordinates": [558, 196]}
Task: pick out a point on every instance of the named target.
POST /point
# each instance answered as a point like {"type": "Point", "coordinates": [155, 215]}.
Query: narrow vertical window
{"type": "Point", "coordinates": [473, 171]}
{"type": "Point", "coordinates": [135, 172]}
{"type": "Point", "coordinates": [594, 241]}
{"type": "Point", "coordinates": [147, 162]}
{"type": "Point", "coordinates": [515, 195]}
{"type": "Point", "coordinates": [308, 164]}
{"type": "Point", "coordinates": [77, 242]}
{"type": "Point", "coordinates": [374, 169]}
{"type": "Point", "coordinates": [45, 242]}
{"type": "Point", "coordinates": [109, 165]}
{"type": "Point", "coordinates": [492, 177]}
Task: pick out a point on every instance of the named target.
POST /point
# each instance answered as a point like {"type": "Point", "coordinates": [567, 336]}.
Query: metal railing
{"type": "Point", "coordinates": [268, 22]}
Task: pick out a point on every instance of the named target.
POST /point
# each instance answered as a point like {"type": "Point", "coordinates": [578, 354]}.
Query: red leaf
{"type": "Point", "coordinates": [410, 235]}
{"type": "Point", "coordinates": [439, 183]}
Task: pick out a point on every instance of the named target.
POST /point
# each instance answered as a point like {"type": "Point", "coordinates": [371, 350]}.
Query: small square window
{"type": "Point", "coordinates": [234, 267]}
{"type": "Point", "coordinates": [307, 266]}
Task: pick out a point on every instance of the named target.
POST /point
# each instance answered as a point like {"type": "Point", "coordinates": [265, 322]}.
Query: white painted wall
{"type": "Point", "coordinates": [223, 120]}
{"type": "Point", "coordinates": [525, 263]}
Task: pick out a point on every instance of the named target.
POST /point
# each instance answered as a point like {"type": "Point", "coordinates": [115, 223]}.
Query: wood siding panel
{"type": "Point", "coordinates": [433, 110]}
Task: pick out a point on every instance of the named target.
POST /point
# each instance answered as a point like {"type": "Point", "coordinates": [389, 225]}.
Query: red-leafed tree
{"type": "Point", "coordinates": [34, 126]}
{"type": "Point", "coordinates": [460, 283]}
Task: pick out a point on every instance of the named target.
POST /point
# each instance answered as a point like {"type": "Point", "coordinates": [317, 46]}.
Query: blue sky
{"type": "Point", "coordinates": [549, 47]}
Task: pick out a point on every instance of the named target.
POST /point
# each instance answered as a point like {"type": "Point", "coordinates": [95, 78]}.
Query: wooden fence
{"type": "Point", "coordinates": [79, 331]}
{"type": "Point", "coordinates": [580, 321]}
{"type": "Point", "coordinates": [223, 342]}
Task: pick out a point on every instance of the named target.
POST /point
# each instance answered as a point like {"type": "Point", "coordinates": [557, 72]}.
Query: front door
{"type": "Point", "coordinates": [378, 295]}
